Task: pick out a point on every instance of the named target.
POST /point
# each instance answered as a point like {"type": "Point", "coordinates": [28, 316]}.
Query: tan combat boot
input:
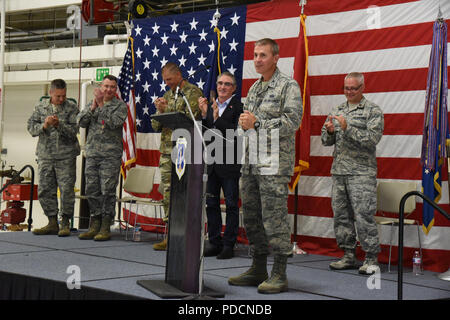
{"type": "Point", "coordinates": [253, 276]}
{"type": "Point", "coordinates": [278, 281]}
{"type": "Point", "coordinates": [94, 228]}
{"type": "Point", "coordinates": [105, 231]}
{"type": "Point", "coordinates": [370, 265]}
{"type": "Point", "coordinates": [50, 228]}
{"type": "Point", "coordinates": [348, 261]}
{"type": "Point", "coordinates": [161, 246]}
{"type": "Point", "coordinates": [64, 231]}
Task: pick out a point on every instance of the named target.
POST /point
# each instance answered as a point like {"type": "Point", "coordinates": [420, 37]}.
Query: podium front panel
{"type": "Point", "coordinates": [184, 237]}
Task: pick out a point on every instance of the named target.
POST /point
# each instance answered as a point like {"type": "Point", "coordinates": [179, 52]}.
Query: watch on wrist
{"type": "Point", "coordinates": [256, 124]}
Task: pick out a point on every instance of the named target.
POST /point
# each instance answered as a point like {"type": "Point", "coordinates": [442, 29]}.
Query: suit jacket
{"type": "Point", "coordinates": [228, 120]}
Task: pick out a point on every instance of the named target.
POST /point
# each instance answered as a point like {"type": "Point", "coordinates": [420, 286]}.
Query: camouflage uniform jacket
{"type": "Point", "coordinates": [276, 106]}
{"type": "Point", "coordinates": [55, 143]}
{"type": "Point", "coordinates": [355, 148]}
{"type": "Point", "coordinates": [104, 137]}
{"type": "Point", "coordinates": [192, 94]}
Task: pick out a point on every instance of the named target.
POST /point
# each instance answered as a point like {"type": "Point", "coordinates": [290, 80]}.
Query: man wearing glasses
{"type": "Point", "coordinates": [354, 128]}
{"type": "Point", "coordinates": [222, 114]}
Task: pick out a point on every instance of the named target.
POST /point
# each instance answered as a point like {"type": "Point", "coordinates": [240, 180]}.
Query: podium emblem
{"type": "Point", "coordinates": [180, 164]}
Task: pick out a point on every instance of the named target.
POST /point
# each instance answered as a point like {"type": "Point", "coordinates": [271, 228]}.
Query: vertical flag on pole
{"type": "Point", "coordinates": [126, 91]}
{"type": "Point", "coordinates": [302, 136]}
{"type": "Point", "coordinates": [435, 128]}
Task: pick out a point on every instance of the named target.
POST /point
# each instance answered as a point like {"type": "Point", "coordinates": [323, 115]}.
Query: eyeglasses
{"type": "Point", "coordinates": [226, 84]}
{"type": "Point", "coordinates": [352, 88]}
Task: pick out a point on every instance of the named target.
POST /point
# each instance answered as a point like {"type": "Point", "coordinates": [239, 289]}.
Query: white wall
{"type": "Point", "coordinates": [20, 5]}
{"type": "Point", "coordinates": [18, 107]}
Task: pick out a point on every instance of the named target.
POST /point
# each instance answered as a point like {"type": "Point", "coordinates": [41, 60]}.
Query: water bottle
{"type": "Point", "coordinates": [417, 263]}
{"type": "Point", "coordinates": [137, 233]}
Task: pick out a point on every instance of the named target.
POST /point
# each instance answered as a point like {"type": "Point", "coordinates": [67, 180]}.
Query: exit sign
{"type": "Point", "coordinates": [100, 73]}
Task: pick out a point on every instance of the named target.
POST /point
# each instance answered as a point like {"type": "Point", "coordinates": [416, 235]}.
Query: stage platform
{"type": "Point", "coordinates": [40, 268]}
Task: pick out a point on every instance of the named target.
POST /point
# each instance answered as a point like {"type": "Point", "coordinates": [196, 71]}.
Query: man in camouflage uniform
{"type": "Point", "coordinates": [104, 118]}
{"type": "Point", "coordinates": [54, 122]}
{"type": "Point", "coordinates": [172, 102]}
{"type": "Point", "coordinates": [274, 105]}
{"type": "Point", "coordinates": [354, 128]}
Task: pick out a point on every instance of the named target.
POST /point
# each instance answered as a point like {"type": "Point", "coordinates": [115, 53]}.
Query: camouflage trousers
{"type": "Point", "coordinates": [354, 203]}
{"type": "Point", "coordinates": [54, 174]}
{"type": "Point", "coordinates": [264, 202]}
{"type": "Point", "coordinates": [165, 167]}
{"type": "Point", "coordinates": [102, 178]}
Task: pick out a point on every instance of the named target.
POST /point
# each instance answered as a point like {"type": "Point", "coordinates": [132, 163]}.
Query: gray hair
{"type": "Point", "coordinates": [271, 42]}
{"type": "Point", "coordinates": [228, 74]}
{"type": "Point", "coordinates": [356, 75]}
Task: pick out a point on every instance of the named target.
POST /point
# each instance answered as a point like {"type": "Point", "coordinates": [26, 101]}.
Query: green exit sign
{"type": "Point", "coordinates": [100, 73]}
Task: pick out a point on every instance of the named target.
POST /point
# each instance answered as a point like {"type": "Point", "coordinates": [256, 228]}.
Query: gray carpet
{"type": "Point", "coordinates": [116, 266]}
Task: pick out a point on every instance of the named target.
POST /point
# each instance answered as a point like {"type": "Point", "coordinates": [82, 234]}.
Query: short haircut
{"type": "Point", "coordinates": [58, 84]}
{"type": "Point", "coordinates": [110, 77]}
{"type": "Point", "coordinates": [229, 74]}
{"type": "Point", "coordinates": [171, 67]}
{"type": "Point", "coordinates": [356, 75]}
{"type": "Point", "coordinates": [271, 42]}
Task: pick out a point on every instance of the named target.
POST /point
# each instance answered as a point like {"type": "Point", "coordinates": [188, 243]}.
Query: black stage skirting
{"type": "Point", "coordinates": [23, 287]}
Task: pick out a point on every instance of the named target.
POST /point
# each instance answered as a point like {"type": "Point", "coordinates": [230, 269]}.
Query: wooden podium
{"type": "Point", "coordinates": [183, 260]}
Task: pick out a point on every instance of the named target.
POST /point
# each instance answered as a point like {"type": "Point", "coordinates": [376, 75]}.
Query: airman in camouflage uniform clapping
{"type": "Point", "coordinates": [354, 128]}
{"type": "Point", "coordinates": [104, 118]}
{"type": "Point", "coordinates": [54, 122]}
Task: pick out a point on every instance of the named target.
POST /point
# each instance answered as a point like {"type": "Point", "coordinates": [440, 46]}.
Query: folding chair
{"type": "Point", "coordinates": [140, 180]}
{"type": "Point", "coordinates": [389, 194]}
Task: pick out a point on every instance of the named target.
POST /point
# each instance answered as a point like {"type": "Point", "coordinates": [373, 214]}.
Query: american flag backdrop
{"type": "Point", "coordinates": [387, 40]}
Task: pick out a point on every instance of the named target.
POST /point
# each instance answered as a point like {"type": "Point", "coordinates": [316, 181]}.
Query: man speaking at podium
{"type": "Point", "coordinates": [172, 101]}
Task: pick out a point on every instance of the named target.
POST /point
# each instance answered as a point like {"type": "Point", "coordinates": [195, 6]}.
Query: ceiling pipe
{"type": "Point", "coordinates": [114, 37]}
{"type": "Point", "coordinates": [44, 37]}
{"type": "Point", "coordinates": [2, 68]}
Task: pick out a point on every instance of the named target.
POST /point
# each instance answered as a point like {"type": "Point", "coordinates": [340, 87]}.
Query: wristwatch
{"type": "Point", "coordinates": [256, 125]}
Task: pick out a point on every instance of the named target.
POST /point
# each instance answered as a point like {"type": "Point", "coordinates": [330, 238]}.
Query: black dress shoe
{"type": "Point", "coordinates": [227, 253]}
{"type": "Point", "coordinates": [211, 251]}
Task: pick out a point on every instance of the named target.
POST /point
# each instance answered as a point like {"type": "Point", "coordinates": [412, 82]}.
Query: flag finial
{"type": "Point", "coordinates": [302, 3]}
{"type": "Point", "coordinates": [439, 17]}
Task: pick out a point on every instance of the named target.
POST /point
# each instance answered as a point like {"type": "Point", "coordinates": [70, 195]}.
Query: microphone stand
{"type": "Point", "coordinates": [204, 181]}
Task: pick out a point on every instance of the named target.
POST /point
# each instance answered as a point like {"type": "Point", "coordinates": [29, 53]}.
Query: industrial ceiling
{"type": "Point", "coordinates": [42, 29]}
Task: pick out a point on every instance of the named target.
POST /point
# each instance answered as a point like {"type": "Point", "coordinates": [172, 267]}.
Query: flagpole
{"type": "Point", "coordinates": [296, 249]}
{"type": "Point", "coordinates": [2, 61]}
{"type": "Point", "coordinates": [446, 275]}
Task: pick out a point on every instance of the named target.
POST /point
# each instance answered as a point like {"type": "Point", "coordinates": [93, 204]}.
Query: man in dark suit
{"type": "Point", "coordinates": [222, 115]}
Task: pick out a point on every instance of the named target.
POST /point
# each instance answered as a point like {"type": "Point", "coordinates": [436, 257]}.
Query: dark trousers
{"type": "Point", "coordinates": [230, 187]}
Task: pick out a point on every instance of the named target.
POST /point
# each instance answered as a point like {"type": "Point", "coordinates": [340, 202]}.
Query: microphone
{"type": "Point", "coordinates": [176, 92]}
